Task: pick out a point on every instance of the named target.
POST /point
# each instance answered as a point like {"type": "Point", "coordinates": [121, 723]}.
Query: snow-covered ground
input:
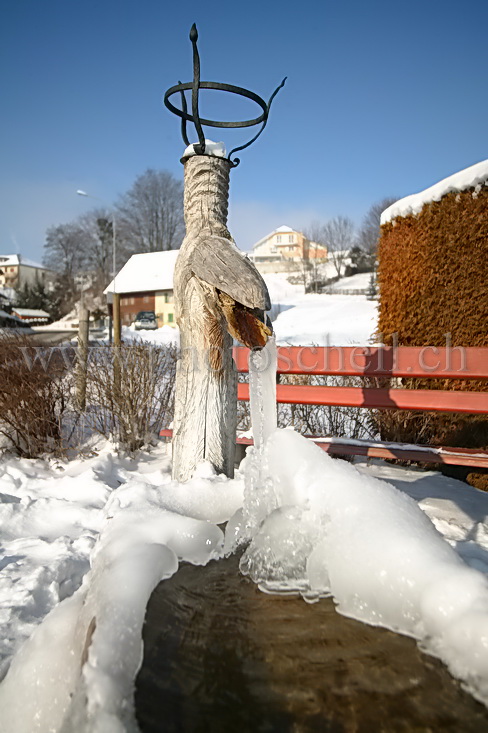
{"type": "Point", "coordinates": [322, 320]}
{"type": "Point", "coordinates": [326, 320]}
{"type": "Point", "coordinates": [360, 281]}
{"type": "Point", "coordinates": [85, 541]}
{"type": "Point", "coordinates": [160, 336]}
{"type": "Point", "coordinates": [304, 320]}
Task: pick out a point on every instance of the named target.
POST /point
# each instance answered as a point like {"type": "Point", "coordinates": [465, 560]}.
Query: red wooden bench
{"type": "Point", "coordinates": [392, 362]}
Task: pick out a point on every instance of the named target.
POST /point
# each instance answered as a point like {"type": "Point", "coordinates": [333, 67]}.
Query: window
{"type": "Point", "coordinates": [278, 238]}
{"type": "Point", "coordinates": [291, 238]}
{"type": "Point", "coordinates": [170, 318]}
{"type": "Point", "coordinates": [146, 299]}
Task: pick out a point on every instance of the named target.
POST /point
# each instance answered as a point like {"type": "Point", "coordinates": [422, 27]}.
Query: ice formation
{"type": "Point", "coordinates": [318, 526]}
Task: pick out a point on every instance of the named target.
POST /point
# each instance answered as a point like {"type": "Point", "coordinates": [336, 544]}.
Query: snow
{"type": "Point", "coordinates": [326, 320]}
{"type": "Point", "coordinates": [84, 543]}
{"type": "Point", "coordinates": [284, 228]}
{"type": "Point", "coordinates": [211, 148]}
{"type": "Point", "coordinates": [321, 319]}
{"type": "Point", "coordinates": [159, 336]}
{"type": "Point", "coordinates": [30, 312]}
{"type": "Point", "coordinates": [360, 281]}
{"type": "Point", "coordinates": [145, 272]}
{"type": "Point", "coordinates": [15, 260]}
{"type": "Point", "coordinates": [472, 177]}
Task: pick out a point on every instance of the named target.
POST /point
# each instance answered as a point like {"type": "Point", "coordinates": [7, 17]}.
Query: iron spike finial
{"type": "Point", "coordinates": [198, 122]}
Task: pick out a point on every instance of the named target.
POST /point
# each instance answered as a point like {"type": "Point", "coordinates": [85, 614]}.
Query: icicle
{"type": "Point", "coordinates": [259, 496]}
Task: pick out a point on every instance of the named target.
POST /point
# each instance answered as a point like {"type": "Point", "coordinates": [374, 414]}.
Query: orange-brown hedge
{"type": "Point", "coordinates": [433, 273]}
{"type": "Point", "coordinates": [433, 280]}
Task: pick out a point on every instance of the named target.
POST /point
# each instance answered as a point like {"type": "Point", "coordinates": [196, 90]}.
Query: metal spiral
{"type": "Point", "coordinates": [195, 118]}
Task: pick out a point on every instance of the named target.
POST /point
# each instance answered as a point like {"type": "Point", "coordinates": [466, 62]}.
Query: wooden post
{"type": "Point", "coordinates": [82, 358]}
{"type": "Point", "coordinates": [219, 294]}
{"type": "Point", "coordinates": [116, 318]}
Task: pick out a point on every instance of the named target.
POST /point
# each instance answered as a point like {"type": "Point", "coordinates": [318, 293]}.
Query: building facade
{"type": "Point", "coordinates": [17, 271]}
{"type": "Point", "coordinates": [145, 283]}
{"type": "Point", "coordinates": [286, 245]}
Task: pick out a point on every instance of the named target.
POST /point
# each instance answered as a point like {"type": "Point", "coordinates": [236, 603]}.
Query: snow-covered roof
{"type": "Point", "coordinates": [280, 230]}
{"type": "Point", "coordinates": [13, 260]}
{"type": "Point", "coordinates": [4, 314]}
{"type": "Point", "coordinates": [31, 313]}
{"type": "Point", "coordinates": [284, 229]}
{"type": "Point", "coordinates": [147, 271]}
{"type": "Point", "coordinates": [475, 175]}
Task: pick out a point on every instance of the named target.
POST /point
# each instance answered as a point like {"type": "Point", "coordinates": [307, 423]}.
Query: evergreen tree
{"type": "Point", "coordinates": [39, 297]}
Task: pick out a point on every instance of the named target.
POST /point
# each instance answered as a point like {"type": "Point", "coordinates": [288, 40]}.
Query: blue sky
{"type": "Point", "coordinates": [382, 99]}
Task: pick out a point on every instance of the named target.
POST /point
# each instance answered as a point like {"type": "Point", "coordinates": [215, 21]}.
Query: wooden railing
{"type": "Point", "coordinates": [384, 362]}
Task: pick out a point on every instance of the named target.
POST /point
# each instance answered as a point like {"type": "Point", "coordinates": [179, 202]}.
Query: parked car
{"type": "Point", "coordinates": [145, 320]}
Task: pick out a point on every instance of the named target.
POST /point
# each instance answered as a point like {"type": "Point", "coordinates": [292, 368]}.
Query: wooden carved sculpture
{"type": "Point", "coordinates": [219, 295]}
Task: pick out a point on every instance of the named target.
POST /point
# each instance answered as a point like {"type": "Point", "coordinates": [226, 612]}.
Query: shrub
{"type": "Point", "coordinates": [432, 279]}
{"type": "Point", "coordinates": [35, 392]}
{"type": "Point", "coordinates": [130, 391]}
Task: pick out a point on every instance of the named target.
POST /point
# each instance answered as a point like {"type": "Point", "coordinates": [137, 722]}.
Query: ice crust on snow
{"type": "Point", "coordinates": [475, 175]}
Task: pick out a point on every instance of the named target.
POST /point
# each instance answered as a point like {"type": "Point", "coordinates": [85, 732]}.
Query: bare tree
{"type": "Point", "coordinates": [150, 214]}
{"type": "Point", "coordinates": [315, 234]}
{"type": "Point", "coordinates": [369, 233]}
{"type": "Point", "coordinates": [338, 236]}
{"type": "Point", "coordinates": [64, 251]}
{"type": "Point", "coordinates": [97, 227]}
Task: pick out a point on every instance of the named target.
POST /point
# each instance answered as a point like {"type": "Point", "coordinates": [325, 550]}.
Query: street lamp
{"type": "Point", "coordinates": [115, 300]}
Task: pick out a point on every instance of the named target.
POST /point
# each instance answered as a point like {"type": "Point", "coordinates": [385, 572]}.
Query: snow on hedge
{"type": "Point", "coordinates": [472, 177]}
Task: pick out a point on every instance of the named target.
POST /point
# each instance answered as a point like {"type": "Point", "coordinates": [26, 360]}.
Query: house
{"type": "Point", "coordinates": [31, 316]}
{"type": "Point", "coordinates": [285, 246]}
{"type": "Point", "coordinates": [145, 283]}
{"type": "Point", "coordinates": [17, 271]}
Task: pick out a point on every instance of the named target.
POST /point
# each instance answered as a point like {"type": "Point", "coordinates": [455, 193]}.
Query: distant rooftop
{"type": "Point", "coordinates": [147, 271]}
{"type": "Point", "coordinates": [284, 229]}
{"type": "Point", "coordinates": [13, 260]}
{"type": "Point", "coordinates": [30, 313]}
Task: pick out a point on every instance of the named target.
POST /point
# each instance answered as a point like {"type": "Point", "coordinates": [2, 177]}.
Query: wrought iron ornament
{"type": "Point", "coordinates": [194, 117]}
